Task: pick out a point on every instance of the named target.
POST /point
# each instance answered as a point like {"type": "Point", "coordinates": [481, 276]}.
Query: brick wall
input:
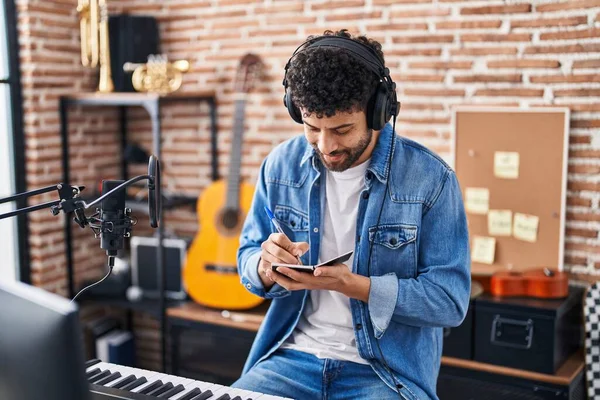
{"type": "Point", "coordinates": [441, 53]}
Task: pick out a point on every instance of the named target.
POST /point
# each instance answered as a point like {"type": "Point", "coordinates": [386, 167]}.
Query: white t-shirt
{"type": "Point", "coordinates": [325, 328]}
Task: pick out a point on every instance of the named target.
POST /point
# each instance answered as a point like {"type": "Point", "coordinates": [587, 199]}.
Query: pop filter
{"type": "Point", "coordinates": [154, 196]}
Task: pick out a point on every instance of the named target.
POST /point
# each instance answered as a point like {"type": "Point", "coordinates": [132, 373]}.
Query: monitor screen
{"type": "Point", "coordinates": [41, 348]}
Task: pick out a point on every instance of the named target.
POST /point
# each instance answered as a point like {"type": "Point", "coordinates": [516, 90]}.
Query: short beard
{"type": "Point", "coordinates": [352, 155]}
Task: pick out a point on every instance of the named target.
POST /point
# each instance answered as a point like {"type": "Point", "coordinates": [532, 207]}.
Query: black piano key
{"type": "Point", "coordinates": [151, 387]}
{"type": "Point", "coordinates": [161, 389]}
{"type": "Point", "coordinates": [124, 382]}
{"type": "Point", "coordinates": [91, 362]}
{"type": "Point", "coordinates": [237, 398]}
{"type": "Point", "coordinates": [224, 397]}
{"type": "Point", "coordinates": [92, 373]}
{"type": "Point", "coordinates": [109, 378]}
{"type": "Point", "coordinates": [203, 396]}
{"type": "Point", "coordinates": [172, 392]}
{"type": "Point", "coordinates": [190, 395]}
{"type": "Point", "coordinates": [99, 376]}
{"type": "Point", "coordinates": [134, 384]}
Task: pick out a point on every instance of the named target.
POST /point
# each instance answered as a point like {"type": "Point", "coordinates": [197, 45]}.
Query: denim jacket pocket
{"type": "Point", "coordinates": [293, 221]}
{"type": "Point", "coordinates": [394, 249]}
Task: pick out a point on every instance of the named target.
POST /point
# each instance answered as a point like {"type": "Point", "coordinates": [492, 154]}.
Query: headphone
{"type": "Point", "coordinates": [383, 103]}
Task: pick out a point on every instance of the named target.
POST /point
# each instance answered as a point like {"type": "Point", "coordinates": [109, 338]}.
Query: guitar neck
{"type": "Point", "coordinates": [235, 163]}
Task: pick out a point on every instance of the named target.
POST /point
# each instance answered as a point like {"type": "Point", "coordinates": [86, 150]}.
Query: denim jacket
{"type": "Point", "coordinates": [420, 262]}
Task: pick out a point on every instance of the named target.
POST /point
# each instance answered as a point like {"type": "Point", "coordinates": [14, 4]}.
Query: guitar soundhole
{"type": "Point", "coordinates": [230, 218]}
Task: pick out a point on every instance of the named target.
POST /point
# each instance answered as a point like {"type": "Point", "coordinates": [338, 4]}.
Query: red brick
{"type": "Point", "coordinates": [576, 92]}
{"type": "Point", "coordinates": [585, 123]}
{"type": "Point", "coordinates": [421, 78]}
{"type": "Point", "coordinates": [575, 260]}
{"type": "Point", "coordinates": [399, 26]}
{"type": "Point", "coordinates": [578, 201]}
{"type": "Point", "coordinates": [568, 35]}
{"type": "Point", "coordinates": [411, 106]}
{"type": "Point", "coordinates": [585, 233]}
{"type": "Point", "coordinates": [483, 51]}
{"type": "Point", "coordinates": [485, 24]}
{"type": "Point", "coordinates": [328, 5]}
{"type": "Point", "coordinates": [440, 64]}
{"type": "Point", "coordinates": [549, 22]}
{"type": "Point", "coordinates": [586, 63]}
{"type": "Point", "coordinates": [568, 5]}
{"type": "Point", "coordinates": [565, 78]}
{"type": "Point", "coordinates": [486, 10]}
{"type": "Point", "coordinates": [580, 139]}
{"type": "Point", "coordinates": [510, 92]}
{"type": "Point", "coordinates": [435, 92]}
{"type": "Point", "coordinates": [424, 121]}
{"type": "Point", "coordinates": [523, 63]}
{"type": "Point", "coordinates": [570, 48]}
{"type": "Point", "coordinates": [424, 39]}
{"type": "Point", "coordinates": [584, 153]}
{"type": "Point", "coordinates": [592, 248]}
{"type": "Point", "coordinates": [413, 52]}
{"type": "Point", "coordinates": [483, 37]}
{"type": "Point", "coordinates": [590, 169]}
{"type": "Point", "coordinates": [278, 8]}
{"type": "Point", "coordinates": [513, 78]}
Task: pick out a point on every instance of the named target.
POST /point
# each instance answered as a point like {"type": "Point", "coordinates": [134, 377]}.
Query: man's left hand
{"type": "Point", "coordinates": [332, 277]}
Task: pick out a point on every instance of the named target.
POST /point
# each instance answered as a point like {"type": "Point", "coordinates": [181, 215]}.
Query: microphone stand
{"type": "Point", "coordinates": [71, 202]}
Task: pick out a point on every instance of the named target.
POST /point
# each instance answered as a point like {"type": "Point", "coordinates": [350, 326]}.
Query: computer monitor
{"type": "Point", "coordinates": [41, 349]}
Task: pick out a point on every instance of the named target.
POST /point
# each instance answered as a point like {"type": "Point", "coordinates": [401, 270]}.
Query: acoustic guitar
{"type": "Point", "coordinates": [541, 283]}
{"type": "Point", "coordinates": [210, 272]}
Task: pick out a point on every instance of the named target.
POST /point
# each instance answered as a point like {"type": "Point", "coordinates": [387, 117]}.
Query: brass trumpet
{"type": "Point", "coordinates": [93, 25]}
{"type": "Point", "coordinates": [158, 75]}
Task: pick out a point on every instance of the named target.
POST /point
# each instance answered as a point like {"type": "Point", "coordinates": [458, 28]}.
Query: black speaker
{"type": "Point", "coordinates": [131, 39]}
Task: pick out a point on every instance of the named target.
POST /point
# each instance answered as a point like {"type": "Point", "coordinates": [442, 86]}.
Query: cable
{"type": "Point", "coordinates": [387, 184]}
{"type": "Point", "coordinates": [111, 263]}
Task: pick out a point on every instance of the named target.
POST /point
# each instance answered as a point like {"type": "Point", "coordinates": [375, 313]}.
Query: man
{"type": "Point", "coordinates": [372, 327]}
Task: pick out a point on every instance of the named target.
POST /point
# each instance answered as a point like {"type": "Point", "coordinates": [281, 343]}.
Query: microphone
{"type": "Point", "coordinates": [115, 220]}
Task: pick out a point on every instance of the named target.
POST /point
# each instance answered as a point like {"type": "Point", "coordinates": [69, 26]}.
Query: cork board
{"type": "Point", "coordinates": [540, 138]}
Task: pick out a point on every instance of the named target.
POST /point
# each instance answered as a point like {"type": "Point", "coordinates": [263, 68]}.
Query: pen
{"type": "Point", "coordinates": [278, 227]}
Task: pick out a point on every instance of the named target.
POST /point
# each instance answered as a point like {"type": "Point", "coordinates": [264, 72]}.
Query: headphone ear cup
{"type": "Point", "coordinates": [292, 109]}
{"type": "Point", "coordinates": [378, 108]}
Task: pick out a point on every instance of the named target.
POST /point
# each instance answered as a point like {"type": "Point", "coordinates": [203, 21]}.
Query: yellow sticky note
{"type": "Point", "coordinates": [483, 249]}
{"type": "Point", "coordinates": [500, 222]}
{"type": "Point", "coordinates": [525, 227]}
{"type": "Point", "coordinates": [506, 165]}
{"type": "Point", "coordinates": [477, 200]}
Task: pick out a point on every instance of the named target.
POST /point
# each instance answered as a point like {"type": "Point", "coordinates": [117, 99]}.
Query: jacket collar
{"type": "Point", "coordinates": [379, 158]}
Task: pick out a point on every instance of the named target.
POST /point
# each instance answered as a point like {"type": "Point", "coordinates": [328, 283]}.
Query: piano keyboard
{"type": "Point", "coordinates": [112, 381]}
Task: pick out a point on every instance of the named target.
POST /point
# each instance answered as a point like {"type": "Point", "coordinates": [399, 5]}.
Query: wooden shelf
{"type": "Point", "coordinates": [251, 320]}
{"type": "Point", "coordinates": [245, 320]}
{"type": "Point", "coordinates": [564, 376]}
{"type": "Point", "coordinates": [134, 97]}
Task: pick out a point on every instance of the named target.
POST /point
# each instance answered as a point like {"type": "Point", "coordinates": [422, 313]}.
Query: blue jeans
{"type": "Point", "coordinates": [299, 375]}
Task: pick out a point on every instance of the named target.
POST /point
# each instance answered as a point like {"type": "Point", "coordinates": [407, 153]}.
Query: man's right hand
{"type": "Point", "coordinates": [278, 248]}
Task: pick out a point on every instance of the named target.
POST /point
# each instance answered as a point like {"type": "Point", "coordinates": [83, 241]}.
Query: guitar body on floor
{"type": "Point", "coordinates": [210, 272]}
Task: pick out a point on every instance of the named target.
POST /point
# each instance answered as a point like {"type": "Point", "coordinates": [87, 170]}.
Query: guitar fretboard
{"type": "Point", "coordinates": [235, 163]}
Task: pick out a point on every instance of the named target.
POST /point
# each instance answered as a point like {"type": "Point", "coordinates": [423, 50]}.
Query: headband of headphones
{"type": "Point", "coordinates": [361, 52]}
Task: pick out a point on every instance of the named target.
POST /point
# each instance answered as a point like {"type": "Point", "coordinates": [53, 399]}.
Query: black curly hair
{"type": "Point", "coordinates": [326, 80]}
